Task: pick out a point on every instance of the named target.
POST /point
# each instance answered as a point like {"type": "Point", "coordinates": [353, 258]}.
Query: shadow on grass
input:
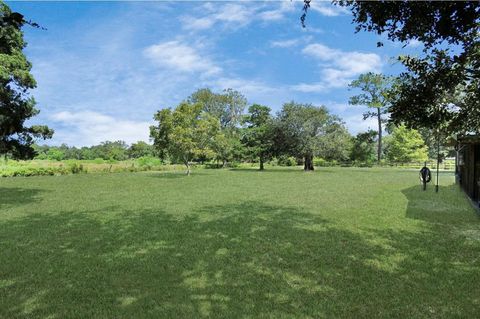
{"type": "Point", "coordinates": [449, 206]}
{"type": "Point", "coordinates": [246, 260]}
{"type": "Point", "coordinates": [14, 196]}
{"type": "Point", "coordinates": [280, 170]}
{"type": "Point", "coordinates": [174, 174]}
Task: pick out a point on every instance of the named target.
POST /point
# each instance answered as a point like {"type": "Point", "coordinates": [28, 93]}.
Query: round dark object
{"type": "Point", "coordinates": [425, 175]}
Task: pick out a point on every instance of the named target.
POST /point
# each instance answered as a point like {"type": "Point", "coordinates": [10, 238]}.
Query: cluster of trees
{"type": "Point", "coordinates": [212, 126]}
{"type": "Point", "coordinates": [117, 150]}
{"type": "Point", "coordinates": [438, 93]}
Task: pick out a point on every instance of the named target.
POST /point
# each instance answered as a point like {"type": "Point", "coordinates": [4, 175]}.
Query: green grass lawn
{"type": "Point", "coordinates": [339, 242]}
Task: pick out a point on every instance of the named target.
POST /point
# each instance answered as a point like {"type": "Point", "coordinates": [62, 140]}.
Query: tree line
{"type": "Point", "coordinates": [209, 126]}
{"type": "Point", "coordinates": [222, 129]}
{"type": "Point", "coordinates": [108, 150]}
{"type": "Point", "coordinates": [438, 93]}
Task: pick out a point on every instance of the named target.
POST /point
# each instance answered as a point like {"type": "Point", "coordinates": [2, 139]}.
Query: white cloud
{"type": "Point", "coordinates": [356, 124]}
{"type": "Point", "coordinates": [278, 13]}
{"type": "Point", "coordinates": [181, 57]}
{"type": "Point", "coordinates": [238, 15]}
{"type": "Point", "coordinates": [234, 13]}
{"type": "Point", "coordinates": [284, 43]}
{"type": "Point", "coordinates": [352, 62]}
{"type": "Point", "coordinates": [246, 87]}
{"type": "Point", "coordinates": [229, 14]}
{"type": "Point", "coordinates": [310, 87]}
{"type": "Point", "coordinates": [338, 68]}
{"type": "Point", "coordinates": [414, 43]}
{"type": "Point", "coordinates": [327, 9]}
{"type": "Point", "coordinates": [89, 128]}
{"type": "Point", "coordinates": [197, 23]}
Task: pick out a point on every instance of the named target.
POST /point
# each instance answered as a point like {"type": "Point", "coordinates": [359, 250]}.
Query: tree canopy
{"type": "Point", "coordinates": [376, 91]}
{"type": "Point", "coordinates": [257, 135]}
{"type": "Point", "coordinates": [227, 106]}
{"type": "Point", "coordinates": [406, 145]}
{"type": "Point", "coordinates": [16, 105]}
{"type": "Point", "coordinates": [185, 132]}
{"type": "Point", "coordinates": [363, 150]}
{"type": "Point", "coordinates": [301, 130]}
{"type": "Point", "coordinates": [440, 88]}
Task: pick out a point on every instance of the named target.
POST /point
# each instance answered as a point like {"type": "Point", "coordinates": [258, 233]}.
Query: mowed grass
{"type": "Point", "coordinates": [339, 242]}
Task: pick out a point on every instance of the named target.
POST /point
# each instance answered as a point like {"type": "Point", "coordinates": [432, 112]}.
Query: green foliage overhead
{"type": "Point", "coordinates": [406, 145]}
{"type": "Point", "coordinates": [441, 87]}
{"type": "Point", "coordinates": [16, 105]}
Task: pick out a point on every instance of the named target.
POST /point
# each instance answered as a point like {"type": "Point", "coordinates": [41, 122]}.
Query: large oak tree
{"type": "Point", "coordinates": [16, 104]}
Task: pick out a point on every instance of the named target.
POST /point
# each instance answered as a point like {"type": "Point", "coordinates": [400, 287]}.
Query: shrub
{"type": "Point", "coordinates": [75, 168]}
{"type": "Point", "coordinates": [318, 161]}
{"type": "Point", "coordinates": [98, 160]}
{"type": "Point", "coordinates": [148, 161]}
{"type": "Point", "coordinates": [287, 161]}
{"type": "Point", "coordinates": [55, 155]}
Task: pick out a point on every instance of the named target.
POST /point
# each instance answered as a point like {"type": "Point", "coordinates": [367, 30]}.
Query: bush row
{"type": "Point", "coordinates": [42, 168]}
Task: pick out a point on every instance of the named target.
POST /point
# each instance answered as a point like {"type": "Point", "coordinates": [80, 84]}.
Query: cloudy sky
{"type": "Point", "coordinates": [104, 68]}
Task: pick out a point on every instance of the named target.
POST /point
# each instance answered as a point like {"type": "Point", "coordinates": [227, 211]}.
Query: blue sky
{"type": "Point", "coordinates": [104, 68]}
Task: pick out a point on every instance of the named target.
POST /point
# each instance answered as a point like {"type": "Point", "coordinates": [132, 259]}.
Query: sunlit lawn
{"type": "Point", "coordinates": [339, 242]}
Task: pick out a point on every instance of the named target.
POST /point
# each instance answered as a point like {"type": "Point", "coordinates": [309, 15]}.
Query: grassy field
{"type": "Point", "coordinates": [339, 242]}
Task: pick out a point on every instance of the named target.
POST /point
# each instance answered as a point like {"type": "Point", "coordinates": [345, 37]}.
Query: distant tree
{"type": "Point", "coordinates": [227, 146]}
{"type": "Point", "coordinates": [228, 106]}
{"type": "Point", "coordinates": [140, 149]}
{"type": "Point", "coordinates": [55, 154]}
{"type": "Point", "coordinates": [16, 105]}
{"type": "Point", "coordinates": [86, 153]}
{"type": "Point", "coordinates": [376, 92]}
{"type": "Point", "coordinates": [299, 130]}
{"type": "Point", "coordinates": [336, 144]}
{"type": "Point", "coordinates": [363, 149]}
{"type": "Point", "coordinates": [108, 150]}
{"type": "Point", "coordinates": [40, 151]}
{"type": "Point", "coordinates": [185, 133]}
{"type": "Point", "coordinates": [257, 135]}
{"type": "Point", "coordinates": [406, 145]}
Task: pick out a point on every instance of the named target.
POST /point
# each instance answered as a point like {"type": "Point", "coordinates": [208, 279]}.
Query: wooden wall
{"type": "Point", "coordinates": [469, 169]}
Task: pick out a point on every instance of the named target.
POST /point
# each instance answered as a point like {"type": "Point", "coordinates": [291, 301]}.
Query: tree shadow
{"type": "Point", "coordinates": [280, 170]}
{"type": "Point", "coordinates": [237, 260]}
{"type": "Point", "coordinates": [447, 207]}
{"type": "Point", "coordinates": [174, 175]}
{"type": "Point", "coordinates": [15, 196]}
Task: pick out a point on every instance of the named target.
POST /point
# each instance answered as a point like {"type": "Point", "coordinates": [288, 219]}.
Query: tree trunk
{"type": "Point", "coordinates": [308, 163]}
{"type": "Point", "coordinates": [379, 149]}
{"type": "Point", "coordinates": [224, 163]}
{"type": "Point", "coordinates": [261, 163]}
{"type": "Point", "coordinates": [188, 168]}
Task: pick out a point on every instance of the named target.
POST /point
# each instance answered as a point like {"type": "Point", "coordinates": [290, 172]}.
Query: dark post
{"type": "Point", "coordinates": [424, 179]}
{"type": "Point", "coordinates": [438, 158]}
